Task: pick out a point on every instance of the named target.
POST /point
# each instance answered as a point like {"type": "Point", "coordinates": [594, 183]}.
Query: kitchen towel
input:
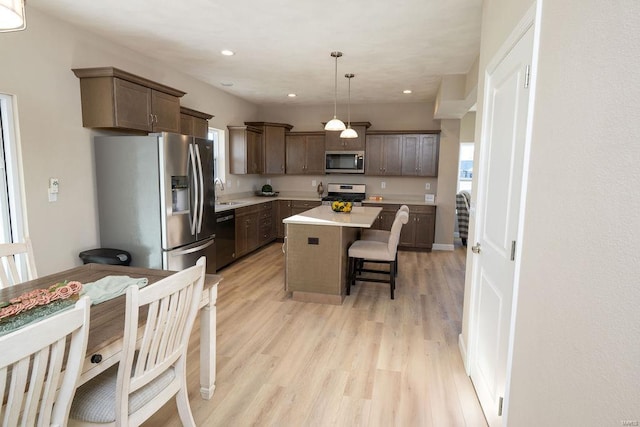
{"type": "Point", "coordinates": [110, 287]}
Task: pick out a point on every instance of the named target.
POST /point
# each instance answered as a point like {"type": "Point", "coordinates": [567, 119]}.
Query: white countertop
{"type": "Point", "coordinates": [254, 200]}
{"type": "Point", "coordinates": [361, 217]}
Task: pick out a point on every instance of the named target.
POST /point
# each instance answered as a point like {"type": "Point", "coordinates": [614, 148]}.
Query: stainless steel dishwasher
{"type": "Point", "coordinates": [225, 238]}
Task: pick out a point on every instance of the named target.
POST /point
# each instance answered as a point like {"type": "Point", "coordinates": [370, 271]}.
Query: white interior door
{"type": "Point", "coordinates": [498, 207]}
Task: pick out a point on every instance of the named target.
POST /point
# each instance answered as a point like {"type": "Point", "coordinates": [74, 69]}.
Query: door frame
{"type": "Point", "coordinates": [530, 19]}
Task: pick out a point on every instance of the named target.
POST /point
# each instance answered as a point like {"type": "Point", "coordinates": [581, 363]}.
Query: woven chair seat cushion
{"type": "Point", "coordinates": [376, 235]}
{"type": "Point", "coordinates": [372, 250]}
{"type": "Point", "coordinates": [95, 401]}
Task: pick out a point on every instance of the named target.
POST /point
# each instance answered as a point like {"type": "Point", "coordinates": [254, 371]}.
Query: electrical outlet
{"type": "Point", "coordinates": [313, 183]}
{"type": "Point", "coordinates": [427, 186]}
{"type": "Point", "coordinates": [383, 185]}
{"type": "Point", "coordinates": [269, 182]}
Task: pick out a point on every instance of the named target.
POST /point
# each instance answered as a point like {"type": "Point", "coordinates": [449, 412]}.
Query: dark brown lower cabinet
{"type": "Point", "coordinates": [385, 217]}
{"type": "Point", "coordinates": [247, 219]}
{"type": "Point", "coordinates": [299, 206]}
{"type": "Point", "coordinates": [419, 232]}
{"type": "Point", "coordinates": [254, 227]}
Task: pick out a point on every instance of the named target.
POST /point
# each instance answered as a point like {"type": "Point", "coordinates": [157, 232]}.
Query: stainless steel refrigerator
{"type": "Point", "coordinates": [156, 198]}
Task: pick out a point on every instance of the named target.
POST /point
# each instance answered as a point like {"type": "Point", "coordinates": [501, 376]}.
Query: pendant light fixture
{"type": "Point", "coordinates": [12, 17]}
{"type": "Point", "coordinates": [335, 124]}
{"type": "Point", "coordinates": [348, 132]}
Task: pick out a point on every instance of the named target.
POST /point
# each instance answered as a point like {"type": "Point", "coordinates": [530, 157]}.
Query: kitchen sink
{"type": "Point", "coordinates": [227, 203]}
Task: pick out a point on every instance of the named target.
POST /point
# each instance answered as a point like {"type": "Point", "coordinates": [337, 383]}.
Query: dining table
{"type": "Point", "coordinates": [106, 327]}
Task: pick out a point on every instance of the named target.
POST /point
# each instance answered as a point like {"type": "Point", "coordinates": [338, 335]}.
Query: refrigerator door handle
{"type": "Point", "coordinates": [199, 164]}
{"type": "Point", "coordinates": [194, 249]}
{"type": "Point", "coordinates": [194, 212]}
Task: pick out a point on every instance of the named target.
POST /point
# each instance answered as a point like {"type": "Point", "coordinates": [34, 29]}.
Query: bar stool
{"type": "Point", "coordinates": [363, 251]}
{"type": "Point", "coordinates": [382, 235]}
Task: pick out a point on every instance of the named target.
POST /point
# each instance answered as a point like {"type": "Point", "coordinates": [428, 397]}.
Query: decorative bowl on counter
{"type": "Point", "coordinates": [268, 193]}
{"type": "Point", "coordinates": [344, 207]}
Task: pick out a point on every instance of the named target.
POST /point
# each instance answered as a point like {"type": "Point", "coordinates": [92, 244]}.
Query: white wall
{"type": "Point", "coordinates": [577, 325]}
{"type": "Point", "coordinates": [36, 68]}
{"type": "Point", "coordinates": [398, 116]}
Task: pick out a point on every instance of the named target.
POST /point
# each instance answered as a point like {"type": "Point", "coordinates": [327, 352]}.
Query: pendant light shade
{"type": "Point", "coordinates": [349, 133]}
{"type": "Point", "coordinates": [12, 17]}
{"type": "Point", "coordinates": [335, 124]}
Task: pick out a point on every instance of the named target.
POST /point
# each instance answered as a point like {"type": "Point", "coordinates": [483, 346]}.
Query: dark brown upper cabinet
{"type": "Point", "coordinates": [333, 142]}
{"type": "Point", "coordinates": [115, 99]}
{"type": "Point", "coordinates": [273, 146]}
{"type": "Point", "coordinates": [194, 123]}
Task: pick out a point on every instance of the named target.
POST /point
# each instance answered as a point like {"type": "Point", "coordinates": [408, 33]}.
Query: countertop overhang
{"type": "Point", "coordinates": [360, 216]}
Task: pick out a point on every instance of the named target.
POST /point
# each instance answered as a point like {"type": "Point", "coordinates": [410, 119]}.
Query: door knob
{"type": "Point", "coordinates": [475, 248]}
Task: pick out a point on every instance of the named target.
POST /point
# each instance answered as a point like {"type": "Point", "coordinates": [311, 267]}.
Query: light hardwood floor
{"type": "Point", "coordinates": [372, 361]}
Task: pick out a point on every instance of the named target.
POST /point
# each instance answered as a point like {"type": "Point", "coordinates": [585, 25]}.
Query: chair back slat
{"type": "Point", "coordinates": [36, 385]}
{"type": "Point", "coordinates": [12, 257]}
{"type": "Point", "coordinates": [172, 305]}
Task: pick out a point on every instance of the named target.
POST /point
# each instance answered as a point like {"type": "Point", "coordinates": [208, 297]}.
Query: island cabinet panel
{"type": "Point", "coordinates": [115, 99]}
{"type": "Point", "coordinates": [305, 153]}
{"type": "Point", "coordinates": [283, 211]}
{"type": "Point", "coordinates": [420, 154]}
{"type": "Point", "coordinates": [419, 231]}
{"type": "Point", "coordinates": [333, 141]}
{"type": "Point", "coordinates": [194, 123]}
{"type": "Point", "coordinates": [383, 155]}
{"type": "Point", "coordinates": [273, 146]}
{"type": "Point", "coordinates": [316, 262]}
{"type": "Point", "coordinates": [245, 150]}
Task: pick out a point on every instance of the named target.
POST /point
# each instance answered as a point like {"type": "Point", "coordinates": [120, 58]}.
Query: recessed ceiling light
{"type": "Point", "coordinates": [406, 91]}
{"type": "Point", "coordinates": [227, 52]}
{"type": "Point", "coordinates": [228, 84]}
{"type": "Point", "coordinates": [292, 95]}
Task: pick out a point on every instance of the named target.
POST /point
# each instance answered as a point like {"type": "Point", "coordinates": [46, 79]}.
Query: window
{"type": "Point", "coordinates": [217, 136]}
{"type": "Point", "coordinates": [465, 167]}
{"type": "Point", "coordinates": [11, 215]}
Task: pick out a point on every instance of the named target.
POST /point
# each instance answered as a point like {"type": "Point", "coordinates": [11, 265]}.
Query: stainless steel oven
{"type": "Point", "coordinates": [344, 162]}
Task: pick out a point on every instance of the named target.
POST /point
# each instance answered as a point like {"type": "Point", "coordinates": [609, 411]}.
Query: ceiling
{"type": "Point", "coordinates": [284, 46]}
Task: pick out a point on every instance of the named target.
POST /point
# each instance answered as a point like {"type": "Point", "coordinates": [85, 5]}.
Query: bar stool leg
{"type": "Point", "coordinates": [392, 277]}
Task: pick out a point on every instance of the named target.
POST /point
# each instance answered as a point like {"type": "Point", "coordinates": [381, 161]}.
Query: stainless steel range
{"type": "Point", "coordinates": [354, 193]}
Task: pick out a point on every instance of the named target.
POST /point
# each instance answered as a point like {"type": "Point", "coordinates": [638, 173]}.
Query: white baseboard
{"type": "Point", "coordinates": [463, 353]}
{"type": "Point", "coordinates": [442, 247]}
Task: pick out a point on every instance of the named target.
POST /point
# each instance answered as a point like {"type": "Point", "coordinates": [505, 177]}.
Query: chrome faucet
{"type": "Point", "coordinates": [215, 182]}
{"type": "Point", "coordinates": [219, 181]}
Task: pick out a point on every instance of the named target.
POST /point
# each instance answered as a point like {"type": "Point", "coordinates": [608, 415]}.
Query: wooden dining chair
{"type": "Point", "coordinates": [150, 375]}
{"type": "Point", "coordinates": [11, 254]}
{"type": "Point", "coordinates": [37, 388]}
{"type": "Point", "coordinates": [371, 251]}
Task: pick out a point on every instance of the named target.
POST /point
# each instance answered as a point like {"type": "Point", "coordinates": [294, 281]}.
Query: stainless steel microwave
{"type": "Point", "coordinates": [344, 162]}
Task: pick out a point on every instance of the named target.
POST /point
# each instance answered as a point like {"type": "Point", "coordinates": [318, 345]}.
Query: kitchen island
{"type": "Point", "coordinates": [316, 246]}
